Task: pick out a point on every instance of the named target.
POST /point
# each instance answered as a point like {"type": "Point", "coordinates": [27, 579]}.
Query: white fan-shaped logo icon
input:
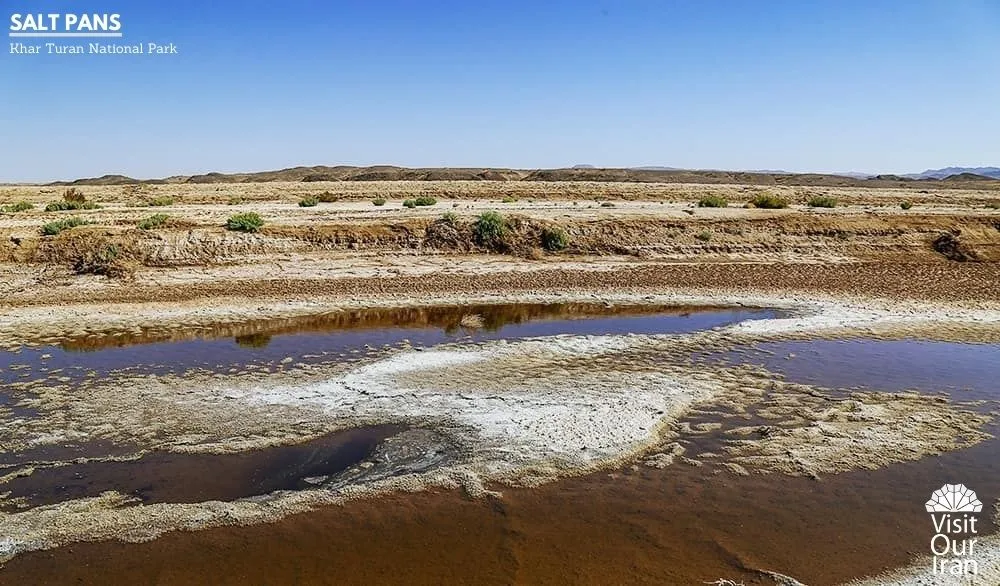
{"type": "Point", "coordinates": [954, 498]}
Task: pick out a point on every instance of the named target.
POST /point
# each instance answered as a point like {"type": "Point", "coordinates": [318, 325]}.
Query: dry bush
{"type": "Point", "coordinates": [951, 246]}
{"type": "Point", "coordinates": [96, 252]}
{"type": "Point", "coordinates": [74, 195]}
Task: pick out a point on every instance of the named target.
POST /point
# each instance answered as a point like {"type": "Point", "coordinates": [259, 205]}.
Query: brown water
{"type": "Point", "coordinates": [170, 477]}
{"type": "Point", "coordinates": [343, 335]}
{"type": "Point", "coordinates": [165, 477]}
{"type": "Point", "coordinates": [963, 371]}
{"type": "Point", "coordinates": [680, 525]}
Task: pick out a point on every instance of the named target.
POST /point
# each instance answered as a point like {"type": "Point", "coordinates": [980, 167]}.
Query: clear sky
{"type": "Point", "coordinates": [889, 86]}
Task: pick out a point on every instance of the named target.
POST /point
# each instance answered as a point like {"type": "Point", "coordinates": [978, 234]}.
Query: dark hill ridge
{"type": "Point", "coordinates": [970, 177]}
{"type": "Point", "coordinates": [579, 173]}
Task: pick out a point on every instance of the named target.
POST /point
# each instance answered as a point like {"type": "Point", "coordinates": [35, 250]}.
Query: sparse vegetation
{"type": "Point", "coordinates": [608, 204]}
{"type": "Point", "coordinates": [154, 221]}
{"type": "Point", "coordinates": [328, 197]}
{"type": "Point", "coordinates": [379, 201]}
{"type": "Point", "coordinates": [245, 222]}
{"type": "Point", "coordinates": [489, 229]}
{"type": "Point", "coordinates": [510, 199]}
{"type": "Point", "coordinates": [423, 200]}
{"type": "Point", "coordinates": [21, 206]}
{"type": "Point", "coordinates": [769, 201]}
{"type": "Point", "coordinates": [554, 239]}
{"type": "Point", "coordinates": [451, 218]}
{"type": "Point", "coordinates": [906, 205]}
{"type": "Point", "coordinates": [62, 206]}
{"type": "Point", "coordinates": [101, 260]}
{"type": "Point", "coordinates": [308, 202]}
{"type": "Point", "coordinates": [822, 201]}
{"type": "Point", "coordinates": [161, 201]}
{"type": "Point", "coordinates": [74, 195]}
{"type": "Point", "coordinates": [53, 228]}
{"type": "Point", "coordinates": [993, 205]}
{"type": "Point", "coordinates": [704, 236]}
{"type": "Point", "coordinates": [235, 201]}
{"type": "Point", "coordinates": [713, 201]}
{"type": "Point", "coordinates": [73, 199]}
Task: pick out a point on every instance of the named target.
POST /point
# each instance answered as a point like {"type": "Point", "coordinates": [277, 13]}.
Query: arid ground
{"type": "Point", "coordinates": [158, 262]}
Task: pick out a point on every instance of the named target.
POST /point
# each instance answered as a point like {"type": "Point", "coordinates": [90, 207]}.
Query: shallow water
{"type": "Point", "coordinates": [164, 477]}
{"type": "Point", "coordinates": [683, 524]}
{"type": "Point", "coordinates": [344, 335]}
{"type": "Point", "coordinates": [169, 477]}
{"type": "Point", "coordinates": [963, 371]}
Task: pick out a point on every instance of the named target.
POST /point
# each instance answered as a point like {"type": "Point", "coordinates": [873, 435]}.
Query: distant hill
{"type": "Point", "coordinates": [989, 172]}
{"type": "Point", "coordinates": [970, 177]}
{"type": "Point", "coordinates": [578, 173]}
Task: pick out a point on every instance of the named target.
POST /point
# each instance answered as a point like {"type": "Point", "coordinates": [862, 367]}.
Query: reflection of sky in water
{"type": "Point", "coordinates": [967, 371]}
{"type": "Point", "coordinates": [258, 349]}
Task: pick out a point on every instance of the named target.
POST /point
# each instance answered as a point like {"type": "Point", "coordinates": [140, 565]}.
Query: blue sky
{"type": "Point", "coordinates": [890, 86]}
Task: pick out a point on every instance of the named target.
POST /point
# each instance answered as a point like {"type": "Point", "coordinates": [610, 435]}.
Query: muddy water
{"type": "Point", "coordinates": [162, 477]}
{"type": "Point", "coordinates": [343, 335]}
{"type": "Point", "coordinates": [964, 371]}
{"type": "Point", "coordinates": [170, 477]}
{"type": "Point", "coordinates": [680, 525]}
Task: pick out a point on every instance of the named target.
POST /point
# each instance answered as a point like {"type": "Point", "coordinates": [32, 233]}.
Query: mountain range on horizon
{"type": "Point", "coordinates": [942, 173]}
{"type": "Point", "coordinates": [580, 172]}
{"type": "Point", "coordinates": [946, 172]}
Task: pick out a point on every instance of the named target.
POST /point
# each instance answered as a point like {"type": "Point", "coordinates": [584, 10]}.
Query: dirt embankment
{"type": "Point", "coordinates": [93, 249]}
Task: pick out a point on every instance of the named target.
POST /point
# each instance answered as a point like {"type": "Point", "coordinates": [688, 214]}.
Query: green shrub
{"type": "Point", "coordinates": [379, 201]}
{"type": "Point", "coordinates": [713, 201]}
{"type": "Point", "coordinates": [769, 201]}
{"type": "Point", "coordinates": [154, 221]}
{"type": "Point", "coordinates": [510, 199]}
{"type": "Point", "coordinates": [451, 218]}
{"type": "Point", "coordinates": [489, 229]}
{"type": "Point", "coordinates": [65, 205]}
{"type": "Point", "coordinates": [410, 203]}
{"type": "Point", "coordinates": [425, 200]}
{"type": "Point", "coordinates": [308, 202]}
{"type": "Point", "coordinates": [21, 206]}
{"type": "Point", "coordinates": [822, 201]}
{"type": "Point", "coordinates": [245, 222]}
{"type": "Point", "coordinates": [906, 205]}
{"type": "Point", "coordinates": [704, 236]}
{"type": "Point", "coordinates": [160, 201]}
{"type": "Point", "coordinates": [53, 228]}
{"type": "Point", "coordinates": [328, 197]}
{"type": "Point", "coordinates": [554, 239]}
